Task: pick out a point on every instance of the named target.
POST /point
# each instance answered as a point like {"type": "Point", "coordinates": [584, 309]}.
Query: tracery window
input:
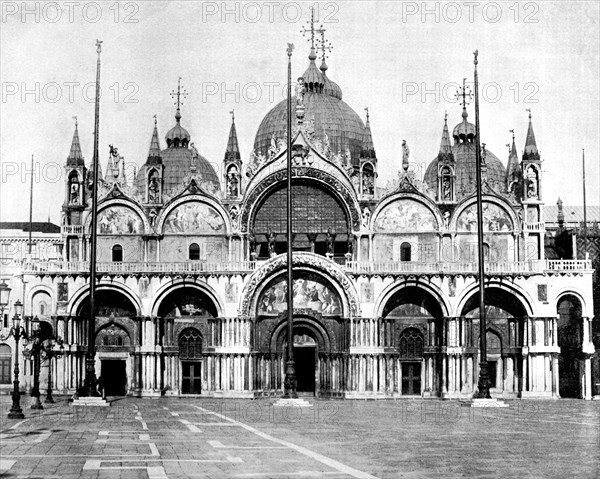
{"type": "Point", "coordinates": [411, 344]}
{"type": "Point", "coordinates": [190, 344]}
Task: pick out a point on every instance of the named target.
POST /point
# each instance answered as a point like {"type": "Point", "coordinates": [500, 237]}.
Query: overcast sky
{"type": "Point", "coordinates": [395, 58]}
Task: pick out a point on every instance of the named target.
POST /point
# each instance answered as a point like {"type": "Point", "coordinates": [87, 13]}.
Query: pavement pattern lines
{"type": "Point", "coordinates": [206, 438]}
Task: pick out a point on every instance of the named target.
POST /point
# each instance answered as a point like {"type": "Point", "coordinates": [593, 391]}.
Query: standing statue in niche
{"type": "Point", "coordinates": [153, 190]}
{"type": "Point", "coordinates": [350, 245]}
{"type": "Point", "coordinates": [74, 197]}
{"type": "Point", "coordinates": [234, 212]}
{"type": "Point", "coordinates": [271, 244]}
{"type": "Point", "coordinates": [532, 190]}
{"type": "Point", "coordinates": [232, 182]}
{"type": "Point", "coordinates": [446, 193]}
{"type": "Point", "coordinates": [152, 217]}
{"type": "Point", "coordinates": [366, 218]}
{"type": "Point", "coordinates": [330, 240]}
{"type": "Point", "coordinates": [252, 245]}
{"type": "Point", "coordinates": [368, 184]}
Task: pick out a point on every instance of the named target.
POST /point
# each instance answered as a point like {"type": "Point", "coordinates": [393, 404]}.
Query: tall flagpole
{"type": "Point", "coordinates": [585, 241]}
{"type": "Point", "coordinates": [89, 384]}
{"type": "Point", "coordinates": [483, 384]}
{"type": "Point", "coordinates": [290, 370]}
{"type": "Point", "coordinates": [30, 207]}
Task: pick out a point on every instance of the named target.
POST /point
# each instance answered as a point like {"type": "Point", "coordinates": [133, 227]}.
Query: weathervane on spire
{"type": "Point", "coordinates": [464, 92]}
{"type": "Point", "coordinates": [99, 45]}
{"type": "Point", "coordinates": [155, 119]}
{"type": "Point", "coordinates": [513, 134]}
{"type": "Point", "coordinates": [305, 30]}
{"type": "Point", "coordinates": [75, 118]}
{"type": "Point", "coordinates": [179, 94]}
{"type": "Point", "coordinates": [529, 110]}
{"type": "Point", "coordinates": [445, 116]}
{"type": "Point", "coordinates": [232, 113]}
{"type": "Point", "coordinates": [324, 45]}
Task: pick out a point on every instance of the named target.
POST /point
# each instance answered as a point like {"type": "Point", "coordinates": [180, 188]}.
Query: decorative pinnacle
{"type": "Point", "coordinates": [155, 119]}
{"type": "Point", "coordinates": [290, 48]}
{"type": "Point", "coordinates": [446, 117]}
{"type": "Point", "coordinates": [324, 45]}
{"type": "Point", "coordinates": [178, 94]}
{"type": "Point", "coordinates": [367, 110]}
{"type": "Point", "coordinates": [529, 110]}
{"type": "Point", "coordinates": [475, 53]}
{"type": "Point", "coordinates": [513, 134]}
{"type": "Point", "coordinates": [305, 30]}
{"type": "Point", "coordinates": [99, 46]}
{"type": "Point", "coordinates": [75, 118]}
{"type": "Point", "coordinates": [232, 113]}
{"type": "Point", "coordinates": [464, 92]}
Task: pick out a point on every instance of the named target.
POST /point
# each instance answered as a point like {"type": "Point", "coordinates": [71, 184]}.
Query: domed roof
{"type": "Point", "coordinates": [464, 130]}
{"type": "Point", "coordinates": [465, 165]}
{"type": "Point", "coordinates": [465, 169]}
{"type": "Point", "coordinates": [178, 135]}
{"type": "Point", "coordinates": [332, 116]}
{"type": "Point", "coordinates": [178, 160]}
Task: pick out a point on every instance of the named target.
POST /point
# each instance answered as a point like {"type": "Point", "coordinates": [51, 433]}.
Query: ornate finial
{"type": "Point", "coordinates": [99, 45]}
{"type": "Point", "coordinates": [446, 116]}
{"type": "Point", "coordinates": [466, 94]}
{"type": "Point", "coordinates": [155, 119]}
{"type": "Point", "coordinates": [475, 53]}
{"type": "Point", "coordinates": [324, 45]}
{"type": "Point", "coordinates": [290, 48]}
{"type": "Point", "coordinates": [232, 113]}
{"type": "Point", "coordinates": [179, 94]}
{"type": "Point", "coordinates": [75, 118]}
{"type": "Point", "coordinates": [513, 134]}
{"type": "Point", "coordinates": [529, 110]}
{"type": "Point", "coordinates": [305, 30]}
{"type": "Point", "coordinates": [367, 110]}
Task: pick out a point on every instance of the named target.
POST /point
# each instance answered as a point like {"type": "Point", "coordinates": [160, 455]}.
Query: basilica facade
{"type": "Point", "coordinates": [191, 292]}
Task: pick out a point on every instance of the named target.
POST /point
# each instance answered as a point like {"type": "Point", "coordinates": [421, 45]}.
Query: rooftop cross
{"type": "Point", "coordinates": [324, 45]}
{"type": "Point", "coordinates": [179, 94]}
{"type": "Point", "coordinates": [465, 93]}
{"type": "Point", "coordinates": [305, 30]}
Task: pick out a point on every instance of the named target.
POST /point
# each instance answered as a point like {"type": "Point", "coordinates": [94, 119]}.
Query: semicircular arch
{"type": "Point", "coordinates": [391, 290]}
{"type": "Point", "coordinates": [165, 290]}
{"type": "Point", "coordinates": [499, 212]}
{"type": "Point", "coordinates": [424, 213]}
{"type": "Point", "coordinates": [77, 302]}
{"type": "Point", "coordinates": [199, 208]}
{"type": "Point", "coordinates": [122, 222]}
{"type": "Point", "coordinates": [525, 301]}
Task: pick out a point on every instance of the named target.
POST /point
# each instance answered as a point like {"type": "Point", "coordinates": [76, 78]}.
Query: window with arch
{"type": "Point", "coordinates": [194, 252]}
{"type": "Point", "coordinates": [190, 344]}
{"type": "Point", "coordinates": [411, 344]}
{"type": "Point", "coordinates": [405, 251]}
{"type": "Point", "coordinates": [5, 363]}
{"type": "Point", "coordinates": [117, 253]}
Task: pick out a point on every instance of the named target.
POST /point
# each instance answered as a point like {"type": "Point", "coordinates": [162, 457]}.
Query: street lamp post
{"type": "Point", "coordinates": [50, 354]}
{"type": "Point", "coordinates": [17, 332]}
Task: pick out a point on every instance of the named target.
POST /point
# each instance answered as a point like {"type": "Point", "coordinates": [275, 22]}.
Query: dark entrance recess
{"type": "Point", "coordinates": [191, 380]}
{"type": "Point", "coordinates": [114, 377]}
{"type": "Point", "coordinates": [305, 356]}
{"type": "Point", "coordinates": [411, 379]}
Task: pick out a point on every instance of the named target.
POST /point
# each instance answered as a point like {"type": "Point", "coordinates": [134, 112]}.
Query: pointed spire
{"type": "Point", "coordinates": [513, 170]}
{"type": "Point", "coordinates": [445, 144]}
{"type": "Point", "coordinates": [233, 149]}
{"type": "Point", "coordinates": [530, 145]}
{"type": "Point", "coordinates": [75, 157]}
{"type": "Point", "coordinates": [560, 217]}
{"type": "Point", "coordinates": [368, 147]}
{"type": "Point", "coordinates": [154, 151]}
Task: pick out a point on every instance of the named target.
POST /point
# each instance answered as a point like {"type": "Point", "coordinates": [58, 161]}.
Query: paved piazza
{"type": "Point", "coordinates": [209, 438]}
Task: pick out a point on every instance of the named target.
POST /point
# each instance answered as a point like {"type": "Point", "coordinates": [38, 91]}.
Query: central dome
{"type": "Point", "coordinates": [332, 117]}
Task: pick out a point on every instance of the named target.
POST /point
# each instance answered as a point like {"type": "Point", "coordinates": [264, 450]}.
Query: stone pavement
{"type": "Point", "coordinates": [214, 438]}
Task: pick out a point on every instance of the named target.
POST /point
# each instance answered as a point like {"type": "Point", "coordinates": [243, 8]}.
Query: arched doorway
{"type": "Point", "coordinates": [506, 319]}
{"type": "Point", "coordinates": [412, 323]}
{"type": "Point", "coordinates": [569, 340]}
{"type": "Point", "coordinates": [113, 345]}
{"type": "Point", "coordinates": [190, 355]}
{"type": "Point", "coordinates": [114, 363]}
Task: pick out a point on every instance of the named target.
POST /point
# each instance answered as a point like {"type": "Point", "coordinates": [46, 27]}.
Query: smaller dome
{"type": "Point", "coordinates": [330, 87]}
{"type": "Point", "coordinates": [464, 131]}
{"type": "Point", "coordinates": [178, 136]}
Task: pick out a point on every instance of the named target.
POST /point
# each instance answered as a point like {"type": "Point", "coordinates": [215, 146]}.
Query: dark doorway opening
{"type": "Point", "coordinates": [411, 379]}
{"type": "Point", "coordinates": [191, 378]}
{"type": "Point", "coordinates": [114, 377]}
{"type": "Point", "coordinates": [305, 359]}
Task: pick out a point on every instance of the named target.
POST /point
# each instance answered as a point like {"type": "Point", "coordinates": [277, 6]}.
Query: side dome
{"type": "Point", "coordinates": [332, 117]}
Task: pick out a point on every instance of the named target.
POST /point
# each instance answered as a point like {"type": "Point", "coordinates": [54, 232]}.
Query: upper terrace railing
{"type": "Point", "coordinates": [50, 267]}
{"type": "Point", "coordinates": [353, 267]}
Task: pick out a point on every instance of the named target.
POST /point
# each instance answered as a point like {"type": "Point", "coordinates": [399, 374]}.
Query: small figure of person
{"type": "Point", "coordinates": [101, 388]}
